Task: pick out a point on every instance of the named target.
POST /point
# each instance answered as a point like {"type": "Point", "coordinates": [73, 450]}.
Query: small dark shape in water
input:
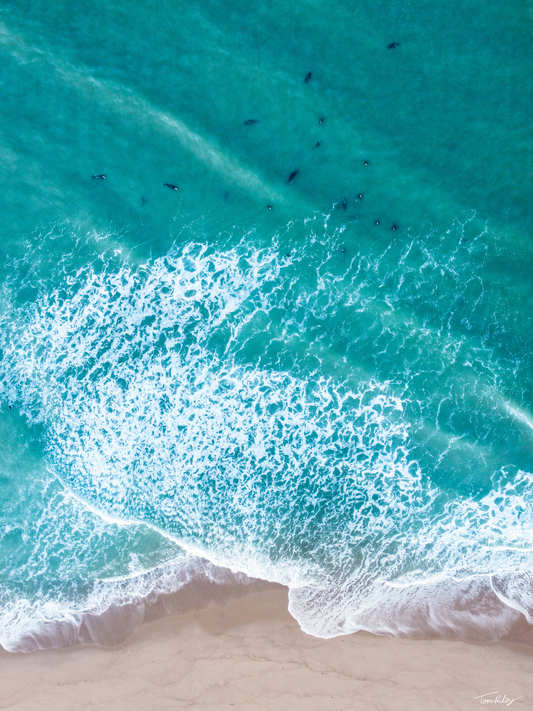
{"type": "Point", "coordinates": [250, 121]}
{"type": "Point", "coordinates": [100, 176]}
{"type": "Point", "coordinates": [293, 175]}
{"type": "Point", "coordinates": [344, 204]}
{"type": "Point", "coordinates": [308, 77]}
{"type": "Point", "coordinates": [321, 120]}
{"type": "Point", "coordinates": [394, 226]}
{"type": "Point", "coordinates": [172, 187]}
{"type": "Point", "coordinates": [318, 143]}
{"type": "Point", "coordinates": [143, 201]}
{"type": "Point", "coordinates": [377, 222]}
{"type": "Point", "coordinates": [392, 45]}
{"type": "Point", "coordinates": [10, 407]}
{"type": "Point", "coordinates": [269, 207]}
{"type": "Point", "coordinates": [343, 249]}
{"type": "Point", "coordinates": [360, 196]}
{"type": "Point", "coordinates": [226, 195]}
{"type": "Point", "coordinates": [365, 162]}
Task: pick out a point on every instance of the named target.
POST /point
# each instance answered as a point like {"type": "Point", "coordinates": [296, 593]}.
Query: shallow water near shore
{"type": "Point", "coordinates": [334, 394]}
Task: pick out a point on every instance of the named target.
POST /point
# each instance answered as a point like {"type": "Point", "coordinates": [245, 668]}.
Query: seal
{"type": "Point", "coordinates": [293, 175]}
{"type": "Point", "coordinates": [308, 77]}
{"type": "Point", "coordinates": [100, 176]}
{"type": "Point", "coordinates": [172, 187]}
{"type": "Point", "coordinates": [248, 122]}
{"type": "Point", "coordinates": [344, 203]}
{"type": "Point", "coordinates": [392, 45]}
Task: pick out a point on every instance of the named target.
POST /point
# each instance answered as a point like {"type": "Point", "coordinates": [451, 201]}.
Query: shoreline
{"type": "Point", "coordinates": [468, 610]}
{"type": "Point", "coordinates": [245, 651]}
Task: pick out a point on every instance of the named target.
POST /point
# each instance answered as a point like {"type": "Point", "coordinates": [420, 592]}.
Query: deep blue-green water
{"type": "Point", "coordinates": [326, 381]}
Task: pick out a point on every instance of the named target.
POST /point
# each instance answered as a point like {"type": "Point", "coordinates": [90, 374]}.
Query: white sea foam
{"type": "Point", "coordinates": [164, 401]}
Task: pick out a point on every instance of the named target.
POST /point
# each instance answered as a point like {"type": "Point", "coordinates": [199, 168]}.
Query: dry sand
{"type": "Point", "coordinates": [249, 654]}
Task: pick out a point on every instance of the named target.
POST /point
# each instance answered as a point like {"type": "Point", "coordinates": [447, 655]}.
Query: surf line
{"type": "Point", "coordinates": [195, 551]}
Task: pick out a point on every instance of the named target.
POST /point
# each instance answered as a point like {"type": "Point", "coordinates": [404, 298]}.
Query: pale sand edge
{"type": "Point", "coordinates": [249, 654]}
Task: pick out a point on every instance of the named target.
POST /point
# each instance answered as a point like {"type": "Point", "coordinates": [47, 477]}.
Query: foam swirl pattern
{"type": "Point", "coordinates": [335, 393]}
{"type": "Point", "coordinates": [211, 399]}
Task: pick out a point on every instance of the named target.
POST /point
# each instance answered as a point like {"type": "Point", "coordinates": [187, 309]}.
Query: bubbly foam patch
{"type": "Point", "coordinates": [200, 393]}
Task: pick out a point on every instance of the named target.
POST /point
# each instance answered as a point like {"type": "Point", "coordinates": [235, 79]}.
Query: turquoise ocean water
{"type": "Point", "coordinates": [335, 393]}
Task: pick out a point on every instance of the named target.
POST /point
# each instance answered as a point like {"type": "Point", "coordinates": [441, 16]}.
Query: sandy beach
{"type": "Point", "coordinates": [249, 653]}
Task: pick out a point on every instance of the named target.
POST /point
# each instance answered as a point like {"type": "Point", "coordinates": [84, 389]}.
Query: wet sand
{"type": "Point", "coordinates": [249, 653]}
